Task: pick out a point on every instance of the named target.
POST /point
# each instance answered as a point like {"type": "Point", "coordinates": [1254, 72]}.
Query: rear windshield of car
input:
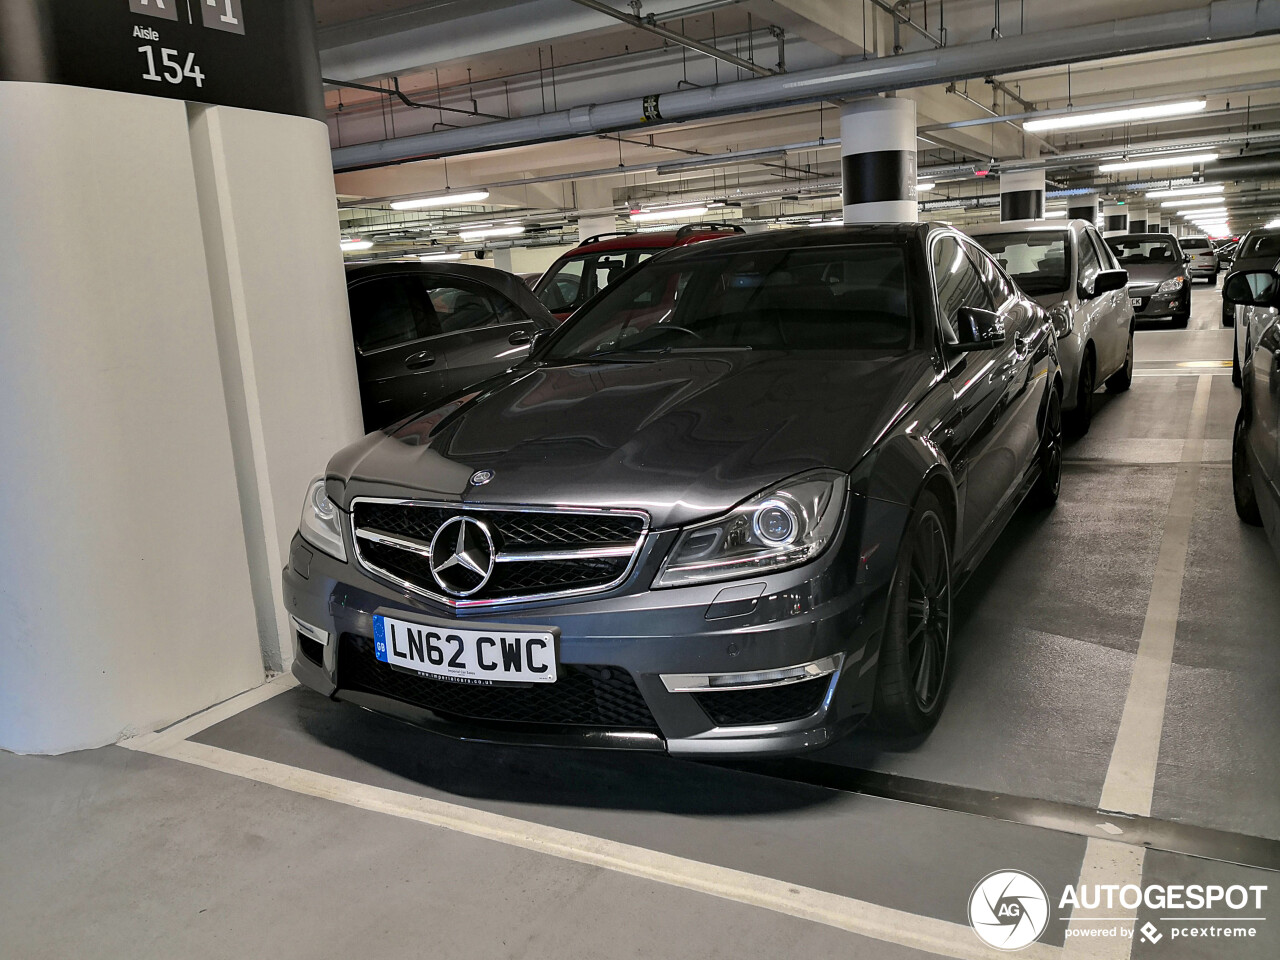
{"type": "Point", "coordinates": [1266, 245]}
{"type": "Point", "coordinates": [1037, 260]}
{"type": "Point", "coordinates": [1135, 250]}
{"type": "Point", "coordinates": [578, 278]}
{"type": "Point", "coordinates": [830, 298]}
{"type": "Point", "coordinates": [1195, 243]}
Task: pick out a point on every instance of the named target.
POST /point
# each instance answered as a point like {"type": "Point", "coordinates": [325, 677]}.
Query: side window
{"type": "Point", "coordinates": [958, 282]}
{"type": "Point", "coordinates": [1089, 263]}
{"type": "Point", "coordinates": [464, 305]}
{"type": "Point", "coordinates": [606, 269]}
{"type": "Point", "coordinates": [1105, 256]}
{"type": "Point", "coordinates": [997, 283]}
{"type": "Point", "coordinates": [388, 311]}
{"type": "Point", "coordinates": [563, 290]}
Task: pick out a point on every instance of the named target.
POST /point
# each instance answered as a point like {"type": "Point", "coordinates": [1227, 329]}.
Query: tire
{"type": "Point", "coordinates": [1183, 317]}
{"type": "Point", "coordinates": [1045, 492]}
{"type": "Point", "coordinates": [1213, 280]}
{"type": "Point", "coordinates": [1228, 317]}
{"type": "Point", "coordinates": [1235, 362]}
{"type": "Point", "coordinates": [911, 680]}
{"type": "Point", "coordinates": [1121, 380]}
{"type": "Point", "coordinates": [1078, 420]}
{"type": "Point", "coordinates": [1242, 490]}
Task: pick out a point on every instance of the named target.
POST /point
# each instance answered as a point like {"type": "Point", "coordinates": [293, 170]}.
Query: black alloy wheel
{"type": "Point", "coordinates": [914, 651]}
{"type": "Point", "coordinates": [1242, 490]}
{"type": "Point", "coordinates": [1120, 381]}
{"type": "Point", "coordinates": [1080, 418]}
{"type": "Point", "coordinates": [1049, 483]}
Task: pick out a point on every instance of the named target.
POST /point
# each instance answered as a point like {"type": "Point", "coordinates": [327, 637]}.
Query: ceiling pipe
{"type": "Point", "coordinates": [1220, 20]}
{"type": "Point", "coordinates": [650, 25]}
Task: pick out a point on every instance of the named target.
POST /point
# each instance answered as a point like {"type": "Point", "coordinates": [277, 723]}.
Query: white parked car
{"type": "Point", "coordinates": [1068, 270]}
{"type": "Point", "coordinates": [1203, 264]}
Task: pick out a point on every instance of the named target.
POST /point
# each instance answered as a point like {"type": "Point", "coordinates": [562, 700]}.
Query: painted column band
{"type": "Point", "coordinates": [1022, 205]}
{"type": "Point", "coordinates": [878, 175]}
{"type": "Point", "coordinates": [1117, 221]}
{"type": "Point", "coordinates": [1087, 212]}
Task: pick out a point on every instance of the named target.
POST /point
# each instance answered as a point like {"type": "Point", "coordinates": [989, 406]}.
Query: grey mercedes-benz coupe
{"type": "Point", "coordinates": [723, 510]}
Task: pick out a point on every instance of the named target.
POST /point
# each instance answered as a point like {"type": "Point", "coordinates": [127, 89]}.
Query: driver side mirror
{"type": "Point", "coordinates": [1252, 288]}
{"type": "Point", "coordinates": [1104, 282]}
{"type": "Point", "coordinates": [978, 329]}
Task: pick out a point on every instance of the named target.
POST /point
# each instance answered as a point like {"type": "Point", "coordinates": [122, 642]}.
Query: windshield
{"type": "Point", "coordinates": [1260, 245]}
{"type": "Point", "coordinates": [1144, 249]}
{"type": "Point", "coordinates": [1037, 261]}
{"type": "Point", "coordinates": [829, 298]}
{"type": "Point", "coordinates": [577, 279]}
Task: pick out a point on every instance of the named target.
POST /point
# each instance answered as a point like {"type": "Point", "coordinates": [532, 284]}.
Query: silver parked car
{"type": "Point", "coordinates": [1070, 272]}
{"type": "Point", "coordinates": [1204, 261]}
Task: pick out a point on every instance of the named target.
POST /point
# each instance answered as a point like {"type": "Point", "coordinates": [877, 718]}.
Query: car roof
{"type": "Point", "coordinates": [849, 234]}
{"type": "Point", "coordinates": [1023, 226]}
{"type": "Point", "coordinates": [505, 283]}
{"type": "Point", "coordinates": [1143, 236]}
{"type": "Point", "coordinates": [657, 239]}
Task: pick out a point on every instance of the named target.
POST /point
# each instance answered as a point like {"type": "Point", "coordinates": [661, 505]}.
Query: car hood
{"type": "Point", "coordinates": [1152, 272]}
{"type": "Point", "coordinates": [681, 437]}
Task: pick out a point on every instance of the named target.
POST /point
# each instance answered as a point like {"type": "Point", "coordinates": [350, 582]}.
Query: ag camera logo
{"type": "Point", "coordinates": [1008, 909]}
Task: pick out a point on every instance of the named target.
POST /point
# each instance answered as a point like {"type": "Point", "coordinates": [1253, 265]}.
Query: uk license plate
{"type": "Point", "coordinates": [477, 654]}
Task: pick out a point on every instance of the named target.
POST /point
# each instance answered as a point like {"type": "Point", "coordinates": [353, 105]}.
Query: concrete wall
{"type": "Point", "coordinates": [123, 575]}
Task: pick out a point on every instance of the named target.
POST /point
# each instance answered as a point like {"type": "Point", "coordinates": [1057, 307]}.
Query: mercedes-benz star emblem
{"type": "Point", "coordinates": [462, 555]}
{"type": "Point", "coordinates": [481, 477]}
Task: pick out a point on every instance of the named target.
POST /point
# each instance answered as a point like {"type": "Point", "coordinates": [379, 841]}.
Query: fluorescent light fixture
{"type": "Point", "coordinates": [490, 232]}
{"type": "Point", "coordinates": [1167, 160]}
{"type": "Point", "coordinates": [434, 257]}
{"type": "Point", "coordinates": [1190, 201]}
{"type": "Point", "coordinates": [1054, 214]}
{"type": "Point", "coordinates": [441, 200]}
{"type": "Point", "coordinates": [1186, 191]}
{"type": "Point", "coordinates": [924, 187]}
{"type": "Point", "coordinates": [1214, 213]}
{"type": "Point", "coordinates": [762, 155]}
{"type": "Point", "coordinates": [682, 213]}
{"type": "Point", "coordinates": [356, 244]}
{"type": "Point", "coordinates": [1107, 118]}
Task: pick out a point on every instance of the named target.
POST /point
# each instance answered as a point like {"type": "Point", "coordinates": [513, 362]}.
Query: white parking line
{"type": "Point", "coordinates": [845, 913]}
{"type": "Point", "coordinates": [156, 742]}
{"type": "Point", "coordinates": [1131, 774]}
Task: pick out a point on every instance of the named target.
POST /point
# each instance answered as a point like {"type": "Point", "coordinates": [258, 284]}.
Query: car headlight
{"type": "Point", "coordinates": [1172, 286]}
{"type": "Point", "coordinates": [320, 522]}
{"type": "Point", "coordinates": [1060, 317]}
{"type": "Point", "coordinates": [783, 527]}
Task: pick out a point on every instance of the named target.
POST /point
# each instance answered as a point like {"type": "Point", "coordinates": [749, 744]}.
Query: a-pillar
{"type": "Point", "coordinates": [1083, 207]}
{"type": "Point", "coordinates": [878, 160]}
{"type": "Point", "coordinates": [1115, 219]}
{"type": "Point", "coordinates": [1022, 195]}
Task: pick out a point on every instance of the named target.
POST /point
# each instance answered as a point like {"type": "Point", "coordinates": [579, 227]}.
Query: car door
{"type": "Point", "coordinates": [482, 333]}
{"type": "Point", "coordinates": [1110, 313]}
{"type": "Point", "coordinates": [1263, 384]}
{"type": "Point", "coordinates": [972, 431]}
{"type": "Point", "coordinates": [394, 328]}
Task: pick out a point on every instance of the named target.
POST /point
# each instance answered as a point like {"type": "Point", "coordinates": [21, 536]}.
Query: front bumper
{"type": "Point", "coordinates": [1154, 306]}
{"type": "Point", "coordinates": [832, 607]}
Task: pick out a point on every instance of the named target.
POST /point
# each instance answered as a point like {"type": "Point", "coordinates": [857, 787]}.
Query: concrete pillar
{"type": "Point", "coordinates": [169, 382]}
{"type": "Point", "coordinates": [594, 226]}
{"type": "Point", "coordinates": [502, 259]}
{"type": "Point", "coordinates": [1115, 219]}
{"type": "Point", "coordinates": [1137, 218]}
{"type": "Point", "coordinates": [594, 199]}
{"type": "Point", "coordinates": [1084, 207]}
{"type": "Point", "coordinates": [878, 160]}
{"type": "Point", "coordinates": [1022, 195]}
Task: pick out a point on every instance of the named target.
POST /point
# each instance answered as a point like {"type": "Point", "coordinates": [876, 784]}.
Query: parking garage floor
{"type": "Point", "coordinates": [1114, 708]}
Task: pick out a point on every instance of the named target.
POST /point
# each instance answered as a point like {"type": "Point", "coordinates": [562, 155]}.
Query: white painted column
{"type": "Point", "coordinates": [1022, 195]}
{"type": "Point", "coordinates": [502, 259]}
{"type": "Point", "coordinates": [1138, 219]}
{"type": "Point", "coordinates": [265, 186]}
{"type": "Point", "coordinates": [1115, 219]}
{"type": "Point", "coordinates": [1084, 207]}
{"type": "Point", "coordinates": [878, 160]}
{"type": "Point", "coordinates": [123, 574]}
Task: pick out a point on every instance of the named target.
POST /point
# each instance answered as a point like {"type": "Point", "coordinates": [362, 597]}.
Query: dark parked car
{"type": "Point", "coordinates": [596, 262]}
{"type": "Point", "coordinates": [1255, 454]}
{"type": "Point", "coordinates": [722, 510]}
{"type": "Point", "coordinates": [1158, 282]}
{"type": "Point", "coordinates": [424, 331]}
{"type": "Point", "coordinates": [1257, 250]}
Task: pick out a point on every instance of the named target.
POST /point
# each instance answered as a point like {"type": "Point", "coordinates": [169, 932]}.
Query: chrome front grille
{"type": "Point", "coordinates": [522, 553]}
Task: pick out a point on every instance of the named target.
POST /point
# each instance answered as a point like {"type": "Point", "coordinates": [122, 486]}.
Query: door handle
{"type": "Point", "coordinates": [520, 338]}
{"type": "Point", "coordinates": [419, 360]}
